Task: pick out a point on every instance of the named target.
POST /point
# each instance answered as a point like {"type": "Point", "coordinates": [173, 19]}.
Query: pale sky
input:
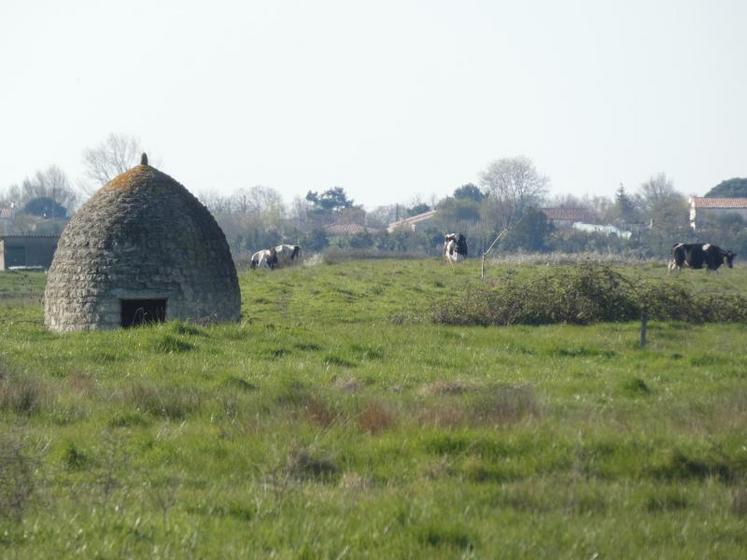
{"type": "Point", "coordinates": [388, 99]}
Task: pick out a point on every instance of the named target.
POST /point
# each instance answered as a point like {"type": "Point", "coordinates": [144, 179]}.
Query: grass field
{"type": "Point", "coordinates": [337, 420]}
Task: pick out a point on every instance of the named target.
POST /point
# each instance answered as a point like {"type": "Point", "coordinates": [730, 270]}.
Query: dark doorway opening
{"type": "Point", "coordinates": [15, 256]}
{"type": "Point", "coordinates": [142, 311]}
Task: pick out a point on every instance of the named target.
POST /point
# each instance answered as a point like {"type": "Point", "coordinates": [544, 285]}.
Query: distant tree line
{"type": "Point", "coordinates": [509, 194]}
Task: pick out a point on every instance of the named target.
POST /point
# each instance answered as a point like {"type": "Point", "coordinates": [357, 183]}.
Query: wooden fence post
{"type": "Point", "coordinates": [644, 325]}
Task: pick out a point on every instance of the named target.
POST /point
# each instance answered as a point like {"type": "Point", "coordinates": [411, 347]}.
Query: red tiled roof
{"type": "Point", "coordinates": [703, 202]}
{"type": "Point", "coordinates": [570, 214]}
{"type": "Point", "coordinates": [347, 229]}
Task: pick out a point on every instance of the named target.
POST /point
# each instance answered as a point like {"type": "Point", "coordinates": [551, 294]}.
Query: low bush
{"type": "Point", "coordinates": [591, 294]}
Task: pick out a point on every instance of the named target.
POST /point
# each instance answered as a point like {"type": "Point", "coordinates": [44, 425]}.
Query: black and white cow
{"type": "Point", "coordinates": [287, 255]}
{"type": "Point", "coordinates": [455, 247]}
{"type": "Point", "coordinates": [697, 255]}
{"type": "Point", "coordinates": [264, 258]}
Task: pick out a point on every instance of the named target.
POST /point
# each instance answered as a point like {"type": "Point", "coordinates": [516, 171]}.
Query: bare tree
{"type": "Point", "coordinates": [52, 183]}
{"type": "Point", "coordinates": [115, 155]}
{"type": "Point", "coordinates": [10, 195]}
{"type": "Point", "coordinates": [215, 202]}
{"type": "Point", "coordinates": [658, 190]}
{"type": "Point", "coordinates": [512, 185]}
{"type": "Point", "coordinates": [665, 210]}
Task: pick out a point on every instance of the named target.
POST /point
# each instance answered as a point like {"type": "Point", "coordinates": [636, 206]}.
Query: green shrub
{"type": "Point", "coordinates": [589, 294]}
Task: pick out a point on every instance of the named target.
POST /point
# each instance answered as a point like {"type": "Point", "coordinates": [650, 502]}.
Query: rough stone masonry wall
{"type": "Point", "coordinates": [142, 236]}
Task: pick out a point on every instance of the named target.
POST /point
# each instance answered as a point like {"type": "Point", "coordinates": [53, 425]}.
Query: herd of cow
{"type": "Point", "coordinates": [692, 255]}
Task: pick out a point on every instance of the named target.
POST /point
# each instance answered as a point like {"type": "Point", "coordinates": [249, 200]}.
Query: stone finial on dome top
{"type": "Point", "coordinates": [144, 159]}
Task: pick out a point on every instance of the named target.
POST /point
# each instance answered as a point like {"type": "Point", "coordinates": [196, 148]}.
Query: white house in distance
{"type": "Point", "coordinates": [702, 208]}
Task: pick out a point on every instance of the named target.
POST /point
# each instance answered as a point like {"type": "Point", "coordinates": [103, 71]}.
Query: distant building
{"type": "Point", "coordinates": [411, 223]}
{"type": "Point", "coordinates": [702, 208]}
{"type": "Point", "coordinates": [566, 217]}
{"type": "Point", "coordinates": [27, 250]}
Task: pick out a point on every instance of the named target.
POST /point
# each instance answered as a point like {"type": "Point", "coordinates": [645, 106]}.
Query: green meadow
{"type": "Point", "coordinates": [338, 419]}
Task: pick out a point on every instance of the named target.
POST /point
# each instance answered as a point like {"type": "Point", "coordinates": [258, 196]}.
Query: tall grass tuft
{"type": "Point", "coordinates": [16, 478]}
{"type": "Point", "coordinates": [22, 395]}
{"type": "Point", "coordinates": [505, 404]}
{"type": "Point", "coordinates": [172, 403]}
{"type": "Point", "coordinates": [376, 417]}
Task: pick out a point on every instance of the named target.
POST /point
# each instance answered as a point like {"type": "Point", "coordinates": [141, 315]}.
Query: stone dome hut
{"type": "Point", "coordinates": [142, 249]}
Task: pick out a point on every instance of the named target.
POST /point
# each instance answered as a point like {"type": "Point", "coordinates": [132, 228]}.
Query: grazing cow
{"type": "Point", "coordinates": [695, 255]}
{"type": "Point", "coordinates": [264, 258]}
{"type": "Point", "coordinates": [287, 255]}
{"type": "Point", "coordinates": [455, 247]}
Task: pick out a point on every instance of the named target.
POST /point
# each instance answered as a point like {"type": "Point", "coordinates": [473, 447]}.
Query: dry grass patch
{"type": "Point", "coordinates": [22, 395]}
{"type": "Point", "coordinates": [81, 383]}
{"type": "Point", "coordinates": [317, 412]}
{"type": "Point", "coordinates": [442, 415]}
{"type": "Point", "coordinates": [376, 417]}
{"type": "Point", "coordinates": [505, 404]}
